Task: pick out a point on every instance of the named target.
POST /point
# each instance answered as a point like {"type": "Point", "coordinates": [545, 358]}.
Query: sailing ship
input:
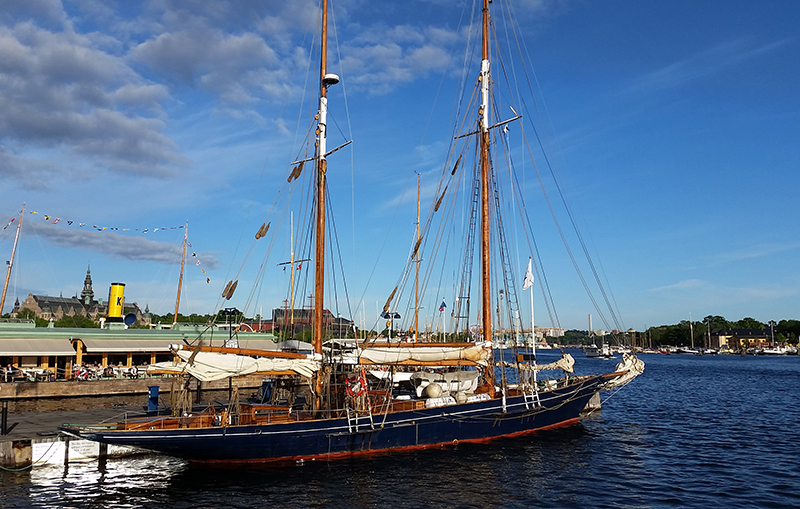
{"type": "Point", "coordinates": [326, 406]}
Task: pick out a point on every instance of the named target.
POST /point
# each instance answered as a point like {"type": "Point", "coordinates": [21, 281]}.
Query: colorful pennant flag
{"type": "Point", "coordinates": [70, 222]}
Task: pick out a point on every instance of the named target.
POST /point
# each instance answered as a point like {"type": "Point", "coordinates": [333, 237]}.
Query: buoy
{"type": "Point", "coordinates": [433, 390]}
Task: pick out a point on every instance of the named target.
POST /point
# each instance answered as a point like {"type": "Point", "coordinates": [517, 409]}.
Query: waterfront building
{"type": "Point", "coordinates": [736, 339]}
{"type": "Point", "coordinates": [55, 308]}
{"type": "Point", "coordinates": [284, 319]}
{"type": "Point", "coordinates": [58, 351]}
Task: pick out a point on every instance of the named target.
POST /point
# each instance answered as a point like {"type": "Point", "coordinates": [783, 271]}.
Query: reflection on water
{"type": "Point", "coordinates": [691, 432]}
{"type": "Point", "coordinates": [128, 482]}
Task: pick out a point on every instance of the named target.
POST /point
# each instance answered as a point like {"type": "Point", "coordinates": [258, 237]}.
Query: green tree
{"type": "Point", "coordinates": [790, 329]}
{"type": "Point", "coordinates": [29, 314]}
{"type": "Point", "coordinates": [716, 322]}
{"type": "Point", "coordinates": [575, 337]}
{"type": "Point", "coordinates": [77, 321]}
{"type": "Point", "coordinates": [749, 323]}
{"type": "Point", "coordinates": [26, 314]}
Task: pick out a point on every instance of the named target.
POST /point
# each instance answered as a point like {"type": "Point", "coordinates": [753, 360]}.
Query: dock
{"type": "Point", "coordinates": [32, 438]}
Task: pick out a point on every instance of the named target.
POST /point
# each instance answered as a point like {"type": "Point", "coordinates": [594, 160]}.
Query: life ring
{"type": "Point", "coordinates": [356, 386]}
{"type": "Point", "coordinates": [133, 372]}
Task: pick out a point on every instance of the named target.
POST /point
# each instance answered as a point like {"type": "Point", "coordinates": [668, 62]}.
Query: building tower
{"type": "Point", "coordinates": [87, 295]}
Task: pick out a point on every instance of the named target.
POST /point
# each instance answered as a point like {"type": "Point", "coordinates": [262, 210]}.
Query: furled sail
{"type": "Point", "coordinates": [632, 366]}
{"type": "Point", "coordinates": [478, 353]}
{"type": "Point", "coordinates": [209, 366]}
{"type": "Point", "coordinates": [566, 363]}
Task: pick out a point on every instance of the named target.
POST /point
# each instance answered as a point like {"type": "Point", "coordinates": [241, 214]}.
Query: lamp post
{"type": "Point", "coordinates": [228, 312]}
{"type": "Point", "coordinates": [391, 317]}
{"type": "Point", "coordinates": [772, 333]}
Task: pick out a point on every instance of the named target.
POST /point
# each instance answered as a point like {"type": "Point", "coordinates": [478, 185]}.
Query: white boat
{"type": "Point", "coordinates": [602, 351]}
{"type": "Point", "coordinates": [775, 350]}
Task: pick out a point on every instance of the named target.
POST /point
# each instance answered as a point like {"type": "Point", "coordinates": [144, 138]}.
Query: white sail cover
{"type": "Point", "coordinates": [633, 367]}
{"type": "Point", "coordinates": [566, 363]}
{"type": "Point", "coordinates": [478, 353]}
{"type": "Point", "coordinates": [209, 366]}
{"type": "Point", "coordinates": [463, 381]}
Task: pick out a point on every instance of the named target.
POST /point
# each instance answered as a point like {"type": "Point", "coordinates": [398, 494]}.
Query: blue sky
{"type": "Point", "coordinates": [675, 128]}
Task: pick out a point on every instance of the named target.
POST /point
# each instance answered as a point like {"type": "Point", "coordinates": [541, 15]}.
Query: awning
{"type": "Point", "coordinates": [126, 345]}
{"type": "Point", "coordinates": [35, 347]}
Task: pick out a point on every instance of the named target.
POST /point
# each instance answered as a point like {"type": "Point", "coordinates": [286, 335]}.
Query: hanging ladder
{"type": "Point", "coordinates": [531, 398]}
{"type": "Point", "coordinates": [356, 421]}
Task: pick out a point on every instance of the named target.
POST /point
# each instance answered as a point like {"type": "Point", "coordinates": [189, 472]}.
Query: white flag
{"type": "Point", "coordinates": [528, 282]}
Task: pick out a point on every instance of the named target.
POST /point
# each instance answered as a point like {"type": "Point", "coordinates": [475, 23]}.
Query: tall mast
{"type": "Point", "coordinates": [11, 261]}
{"type": "Point", "coordinates": [416, 280]}
{"type": "Point", "coordinates": [484, 161]}
{"type": "Point", "coordinates": [325, 80]}
{"type": "Point", "coordinates": [180, 279]}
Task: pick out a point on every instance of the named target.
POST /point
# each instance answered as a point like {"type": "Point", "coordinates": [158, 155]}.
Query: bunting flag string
{"type": "Point", "coordinates": [69, 222]}
{"type": "Point", "coordinates": [10, 222]}
{"type": "Point", "coordinates": [197, 264]}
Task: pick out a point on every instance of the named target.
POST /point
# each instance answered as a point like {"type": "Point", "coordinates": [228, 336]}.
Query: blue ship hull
{"type": "Point", "coordinates": [335, 438]}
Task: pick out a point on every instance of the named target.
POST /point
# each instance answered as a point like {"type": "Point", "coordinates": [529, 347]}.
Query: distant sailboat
{"type": "Point", "coordinates": [603, 351]}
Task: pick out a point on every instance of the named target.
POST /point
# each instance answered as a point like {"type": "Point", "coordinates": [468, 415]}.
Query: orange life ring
{"type": "Point", "coordinates": [356, 386]}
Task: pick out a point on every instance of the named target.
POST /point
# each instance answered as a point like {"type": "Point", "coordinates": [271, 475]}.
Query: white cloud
{"type": "Point", "coordinates": [703, 63]}
{"type": "Point", "coordinates": [134, 247]}
{"type": "Point", "coordinates": [58, 91]}
{"type": "Point", "coordinates": [681, 285]}
{"type": "Point", "coordinates": [755, 251]}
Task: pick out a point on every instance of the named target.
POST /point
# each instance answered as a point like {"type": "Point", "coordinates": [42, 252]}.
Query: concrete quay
{"type": "Point", "coordinates": [33, 440]}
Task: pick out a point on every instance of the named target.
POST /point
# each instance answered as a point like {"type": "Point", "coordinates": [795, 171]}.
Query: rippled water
{"type": "Point", "coordinates": [691, 432]}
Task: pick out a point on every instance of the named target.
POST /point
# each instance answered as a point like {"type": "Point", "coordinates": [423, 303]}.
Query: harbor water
{"type": "Point", "coordinates": [693, 431]}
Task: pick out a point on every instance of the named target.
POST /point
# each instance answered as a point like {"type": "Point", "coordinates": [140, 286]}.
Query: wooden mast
{"type": "Point", "coordinates": [322, 166]}
{"type": "Point", "coordinates": [180, 279]}
{"type": "Point", "coordinates": [416, 280]}
{"type": "Point", "coordinates": [11, 261]}
{"type": "Point", "coordinates": [486, 287]}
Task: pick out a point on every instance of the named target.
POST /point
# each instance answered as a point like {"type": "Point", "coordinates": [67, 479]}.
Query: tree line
{"type": "Point", "coordinates": [79, 321]}
{"type": "Point", "coordinates": [686, 333]}
{"type": "Point", "coordinates": [680, 334]}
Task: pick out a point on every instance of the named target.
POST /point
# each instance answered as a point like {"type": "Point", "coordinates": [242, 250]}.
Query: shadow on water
{"type": "Point", "coordinates": [504, 473]}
